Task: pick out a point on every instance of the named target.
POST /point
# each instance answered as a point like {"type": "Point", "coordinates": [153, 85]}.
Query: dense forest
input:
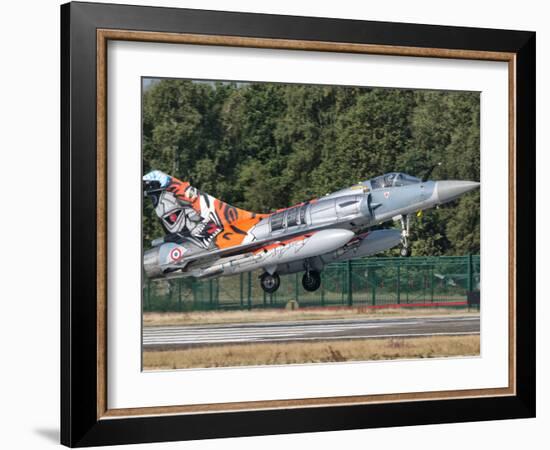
{"type": "Point", "coordinates": [265, 146]}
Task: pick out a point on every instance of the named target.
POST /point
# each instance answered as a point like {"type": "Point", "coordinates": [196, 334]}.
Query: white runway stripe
{"type": "Point", "coordinates": [304, 331]}
{"type": "Point", "coordinates": [323, 338]}
{"type": "Point", "coordinates": [295, 325]}
{"type": "Point", "coordinates": [229, 332]}
{"type": "Point", "coordinates": [190, 338]}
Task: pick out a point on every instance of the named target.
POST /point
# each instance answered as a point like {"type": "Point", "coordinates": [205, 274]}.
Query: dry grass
{"type": "Point", "coordinates": [282, 315]}
{"type": "Point", "coordinates": [317, 352]}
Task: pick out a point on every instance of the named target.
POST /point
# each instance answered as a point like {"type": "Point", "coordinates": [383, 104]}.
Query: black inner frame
{"type": "Point", "coordinates": [79, 424]}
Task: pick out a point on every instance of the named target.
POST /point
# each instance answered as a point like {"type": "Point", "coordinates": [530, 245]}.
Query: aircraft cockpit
{"type": "Point", "coordinates": [393, 179]}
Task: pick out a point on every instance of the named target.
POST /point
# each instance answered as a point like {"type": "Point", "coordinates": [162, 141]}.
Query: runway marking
{"type": "Point", "coordinates": [319, 330]}
{"type": "Point", "coordinates": [312, 322]}
{"type": "Point", "coordinates": [322, 338]}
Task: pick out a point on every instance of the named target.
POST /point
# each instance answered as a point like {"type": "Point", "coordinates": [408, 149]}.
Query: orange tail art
{"type": "Point", "coordinates": [185, 210]}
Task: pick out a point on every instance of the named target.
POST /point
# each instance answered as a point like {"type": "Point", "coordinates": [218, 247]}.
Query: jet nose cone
{"type": "Point", "coordinates": [448, 190]}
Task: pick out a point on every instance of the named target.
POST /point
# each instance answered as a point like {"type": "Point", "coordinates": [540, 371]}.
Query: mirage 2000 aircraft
{"type": "Point", "coordinates": [208, 238]}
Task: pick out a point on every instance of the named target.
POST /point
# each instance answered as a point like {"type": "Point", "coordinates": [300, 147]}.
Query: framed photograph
{"type": "Point", "coordinates": [278, 224]}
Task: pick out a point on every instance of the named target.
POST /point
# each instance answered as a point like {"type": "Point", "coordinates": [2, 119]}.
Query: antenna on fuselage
{"type": "Point", "coordinates": [429, 172]}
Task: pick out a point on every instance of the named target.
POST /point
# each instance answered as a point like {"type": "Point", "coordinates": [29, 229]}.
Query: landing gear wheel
{"type": "Point", "coordinates": [405, 252]}
{"type": "Point", "coordinates": [270, 283]}
{"type": "Point", "coordinates": [311, 281]}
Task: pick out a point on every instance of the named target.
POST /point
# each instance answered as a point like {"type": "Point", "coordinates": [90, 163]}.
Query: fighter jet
{"type": "Point", "coordinates": [207, 238]}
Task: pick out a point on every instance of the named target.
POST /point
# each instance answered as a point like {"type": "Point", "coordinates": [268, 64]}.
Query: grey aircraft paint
{"type": "Point", "coordinates": [304, 237]}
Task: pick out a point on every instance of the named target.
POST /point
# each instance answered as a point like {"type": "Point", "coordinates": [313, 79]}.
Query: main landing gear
{"type": "Point", "coordinates": [270, 283]}
{"type": "Point", "coordinates": [405, 230]}
{"type": "Point", "coordinates": [311, 281]}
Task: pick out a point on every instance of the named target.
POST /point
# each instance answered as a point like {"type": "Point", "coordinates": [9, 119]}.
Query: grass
{"type": "Point", "coordinates": [282, 315]}
{"type": "Point", "coordinates": [316, 352]}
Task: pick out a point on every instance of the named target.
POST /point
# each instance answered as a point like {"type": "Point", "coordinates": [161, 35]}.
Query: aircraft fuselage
{"type": "Point", "coordinates": [304, 237]}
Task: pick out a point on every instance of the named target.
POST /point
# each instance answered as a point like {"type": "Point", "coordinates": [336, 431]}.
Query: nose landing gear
{"type": "Point", "coordinates": [405, 229]}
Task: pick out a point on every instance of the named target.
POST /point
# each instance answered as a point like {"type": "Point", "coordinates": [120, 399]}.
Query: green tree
{"type": "Point", "coordinates": [265, 146]}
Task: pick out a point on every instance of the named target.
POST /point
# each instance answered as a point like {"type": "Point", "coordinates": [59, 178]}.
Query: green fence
{"type": "Point", "coordinates": [368, 282]}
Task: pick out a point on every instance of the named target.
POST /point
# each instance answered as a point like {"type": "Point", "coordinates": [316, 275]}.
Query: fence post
{"type": "Point", "coordinates": [148, 297]}
{"type": "Point", "coordinates": [432, 282]}
{"type": "Point", "coordinates": [373, 286]}
{"type": "Point", "coordinates": [470, 273]}
{"type": "Point", "coordinates": [249, 290]}
{"type": "Point", "coordinates": [343, 285]}
{"type": "Point", "coordinates": [241, 289]}
{"type": "Point", "coordinates": [296, 288]}
{"type": "Point", "coordinates": [349, 284]}
{"type": "Point", "coordinates": [425, 281]}
{"type": "Point", "coordinates": [322, 289]}
{"type": "Point", "coordinates": [179, 294]}
{"type": "Point", "coordinates": [408, 283]}
{"type": "Point", "coordinates": [398, 282]}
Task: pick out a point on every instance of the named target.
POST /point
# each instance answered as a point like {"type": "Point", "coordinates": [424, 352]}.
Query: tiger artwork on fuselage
{"type": "Point", "coordinates": [208, 238]}
{"type": "Point", "coordinates": [198, 217]}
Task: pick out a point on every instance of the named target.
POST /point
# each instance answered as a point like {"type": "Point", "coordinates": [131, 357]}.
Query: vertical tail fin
{"type": "Point", "coordinates": [183, 209]}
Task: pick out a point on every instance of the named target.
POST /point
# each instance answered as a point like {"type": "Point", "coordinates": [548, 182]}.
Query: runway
{"type": "Point", "coordinates": [312, 330]}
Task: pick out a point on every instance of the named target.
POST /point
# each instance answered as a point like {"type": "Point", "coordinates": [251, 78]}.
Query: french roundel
{"type": "Point", "coordinates": [176, 253]}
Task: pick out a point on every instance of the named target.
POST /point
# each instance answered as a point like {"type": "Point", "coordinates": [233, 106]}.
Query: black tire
{"type": "Point", "coordinates": [270, 283]}
{"type": "Point", "coordinates": [405, 252]}
{"type": "Point", "coordinates": [311, 281]}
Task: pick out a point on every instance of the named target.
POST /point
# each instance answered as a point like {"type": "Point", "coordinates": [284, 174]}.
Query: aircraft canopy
{"type": "Point", "coordinates": [393, 179]}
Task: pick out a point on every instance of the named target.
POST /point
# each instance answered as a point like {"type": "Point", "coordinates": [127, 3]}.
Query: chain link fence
{"type": "Point", "coordinates": [369, 282]}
